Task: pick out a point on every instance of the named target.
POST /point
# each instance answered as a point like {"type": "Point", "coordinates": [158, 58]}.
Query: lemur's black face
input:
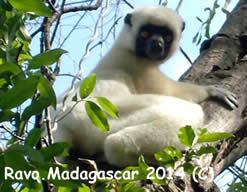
{"type": "Point", "coordinates": [153, 42]}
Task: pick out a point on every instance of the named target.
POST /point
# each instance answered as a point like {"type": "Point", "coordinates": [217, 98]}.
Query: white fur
{"type": "Point", "coordinates": [149, 121]}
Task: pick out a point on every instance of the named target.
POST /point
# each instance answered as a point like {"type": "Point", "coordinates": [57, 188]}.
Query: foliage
{"type": "Point", "coordinates": [25, 92]}
{"type": "Point", "coordinates": [95, 113]}
{"type": "Point", "coordinates": [205, 26]}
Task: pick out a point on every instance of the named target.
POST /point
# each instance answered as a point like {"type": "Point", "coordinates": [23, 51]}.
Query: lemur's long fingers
{"type": "Point", "coordinates": [232, 101]}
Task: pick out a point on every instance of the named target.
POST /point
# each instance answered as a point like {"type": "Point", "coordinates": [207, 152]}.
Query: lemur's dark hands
{"type": "Point", "coordinates": [223, 94]}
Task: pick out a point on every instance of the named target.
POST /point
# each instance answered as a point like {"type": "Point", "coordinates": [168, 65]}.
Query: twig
{"type": "Point", "coordinates": [115, 18]}
{"type": "Point", "coordinates": [82, 8]}
{"type": "Point", "coordinates": [224, 9]}
{"type": "Point", "coordinates": [51, 6]}
{"type": "Point", "coordinates": [69, 75]}
{"type": "Point", "coordinates": [11, 132]}
{"type": "Point", "coordinates": [61, 116]}
{"type": "Point", "coordinates": [77, 2]}
{"type": "Point", "coordinates": [179, 5]}
{"type": "Point", "coordinates": [74, 27]}
{"type": "Point", "coordinates": [57, 24]}
{"type": "Point", "coordinates": [107, 35]}
{"type": "Point", "coordinates": [36, 32]}
{"type": "Point", "coordinates": [48, 125]}
{"type": "Point", "coordinates": [185, 54]}
{"type": "Point", "coordinates": [86, 54]}
{"type": "Point", "coordinates": [131, 6]}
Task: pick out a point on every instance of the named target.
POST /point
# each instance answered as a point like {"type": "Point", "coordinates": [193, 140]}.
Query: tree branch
{"type": "Point", "coordinates": [222, 64]}
{"type": "Point", "coordinates": [82, 8]}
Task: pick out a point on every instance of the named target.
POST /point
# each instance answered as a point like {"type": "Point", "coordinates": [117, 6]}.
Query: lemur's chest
{"type": "Point", "coordinates": [150, 83]}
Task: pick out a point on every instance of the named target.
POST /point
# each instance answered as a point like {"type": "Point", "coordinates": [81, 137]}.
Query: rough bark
{"type": "Point", "coordinates": [223, 63]}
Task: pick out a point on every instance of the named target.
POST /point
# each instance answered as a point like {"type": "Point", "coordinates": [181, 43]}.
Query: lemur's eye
{"type": "Point", "coordinates": [168, 38]}
{"type": "Point", "coordinates": [144, 34]}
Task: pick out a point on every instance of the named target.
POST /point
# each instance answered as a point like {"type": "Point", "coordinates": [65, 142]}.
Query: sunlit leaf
{"type": "Point", "coordinates": [87, 86]}
{"type": "Point", "coordinates": [97, 116]}
{"type": "Point", "coordinates": [84, 188]}
{"type": "Point", "coordinates": [173, 152]}
{"type": "Point", "coordinates": [36, 6]}
{"type": "Point", "coordinates": [165, 159]}
{"type": "Point", "coordinates": [108, 106]}
{"type": "Point", "coordinates": [212, 137]}
{"type": "Point", "coordinates": [142, 164]}
{"type": "Point", "coordinates": [186, 136]}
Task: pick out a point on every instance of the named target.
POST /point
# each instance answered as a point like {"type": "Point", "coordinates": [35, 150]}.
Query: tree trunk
{"type": "Point", "coordinates": [223, 63]}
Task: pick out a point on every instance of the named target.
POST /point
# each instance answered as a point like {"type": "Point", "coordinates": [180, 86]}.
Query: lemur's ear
{"type": "Point", "coordinates": [183, 27]}
{"type": "Point", "coordinates": [127, 19]}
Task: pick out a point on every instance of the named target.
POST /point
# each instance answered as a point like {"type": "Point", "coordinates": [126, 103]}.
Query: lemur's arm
{"type": "Point", "coordinates": [197, 93]}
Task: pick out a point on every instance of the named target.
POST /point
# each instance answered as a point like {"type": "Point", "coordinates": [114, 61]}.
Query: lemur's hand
{"type": "Point", "coordinates": [223, 94]}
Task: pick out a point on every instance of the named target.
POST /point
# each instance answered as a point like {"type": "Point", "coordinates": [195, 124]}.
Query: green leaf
{"type": "Point", "coordinates": [36, 6]}
{"type": "Point", "coordinates": [188, 168]}
{"type": "Point", "coordinates": [199, 40]}
{"type": "Point", "coordinates": [173, 152]}
{"type": "Point", "coordinates": [6, 115]}
{"type": "Point", "coordinates": [201, 131]}
{"type": "Point", "coordinates": [33, 137]}
{"type": "Point", "coordinates": [32, 154]}
{"type": "Point", "coordinates": [87, 86]}
{"type": "Point", "coordinates": [186, 136]}
{"type": "Point", "coordinates": [10, 68]}
{"type": "Point", "coordinates": [212, 137]}
{"type": "Point", "coordinates": [3, 82]}
{"type": "Point", "coordinates": [142, 165]}
{"type": "Point", "coordinates": [195, 37]}
{"type": "Point", "coordinates": [47, 91]}
{"type": "Point", "coordinates": [46, 98]}
{"type": "Point", "coordinates": [23, 90]}
{"type": "Point", "coordinates": [84, 188]}
{"type": "Point", "coordinates": [165, 159]}
{"type": "Point", "coordinates": [36, 107]}
{"type": "Point", "coordinates": [15, 160]}
{"type": "Point", "coordinates": [45, 59]}
{"type": "Point", "coordinates": [206, 150]}
{"type": "Point", "coordinates": [56, 149]}
{"type": "Point", "coordinates": [97, 116]}
{"type": "Point", "coordinates": [108, 106]}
